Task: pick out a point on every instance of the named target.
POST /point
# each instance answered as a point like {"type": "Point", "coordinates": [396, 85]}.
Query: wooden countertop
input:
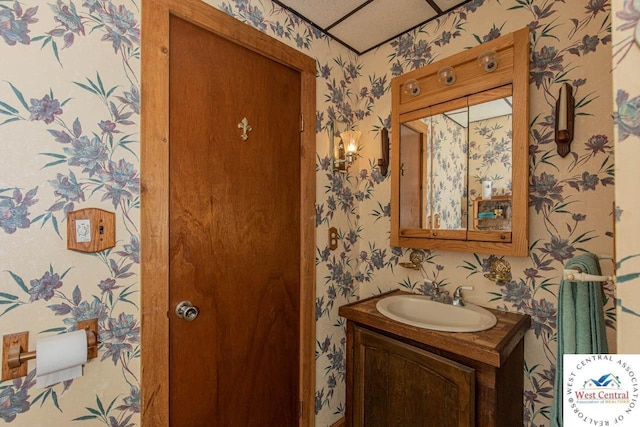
{"type": "Point", "coordinates": [491, 347]}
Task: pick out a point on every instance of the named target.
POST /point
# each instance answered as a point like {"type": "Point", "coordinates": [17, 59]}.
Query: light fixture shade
{"type": "Point", "coordinates": [447, 75]}
{"type": "Point", "coordinates": [350, 139]}
{"type": "Point", "coordinates": [488, 61]}
{"type": "Point", "coordinates": [411, 87]}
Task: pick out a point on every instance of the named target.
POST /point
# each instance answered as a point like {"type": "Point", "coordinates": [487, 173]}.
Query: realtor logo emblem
{"type": "Point", "coordinates": [601, 390]}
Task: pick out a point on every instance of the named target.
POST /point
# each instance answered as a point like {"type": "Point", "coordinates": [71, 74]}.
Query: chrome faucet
{"type": "Point", "coordinates": [457, 295]}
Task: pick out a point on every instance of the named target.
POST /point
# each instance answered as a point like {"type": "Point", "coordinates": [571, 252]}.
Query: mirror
{"type": "Point", "coordinates": [490, 164]}
{"type": "Point", "coordinates": [460, 158]}
{"type": "Point", "coordinates": [490, 158]}
{"type": "Point", "coordinates": [450, 154]}
{"type": "Point", "coordinates": [433, 152]}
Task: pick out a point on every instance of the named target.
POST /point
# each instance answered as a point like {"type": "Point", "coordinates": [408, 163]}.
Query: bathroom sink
{"type": "Point", "coordinates": [421, 311]}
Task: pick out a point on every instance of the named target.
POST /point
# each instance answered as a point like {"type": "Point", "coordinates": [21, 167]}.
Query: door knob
{"type": "Point", "coordinates": [185, 310]}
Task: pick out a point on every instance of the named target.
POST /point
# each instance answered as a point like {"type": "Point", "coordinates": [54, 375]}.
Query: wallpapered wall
{"type": "Point", "coordinates": [571, 198]}
{"type": "Point", "coordinates": [449, 158]}
{"type": "Point", "coordinates": [626, 108]}
{"type": "Point", "coordinates": [490, 155]}
{"type": "Point", "coordinates": [69, 138]}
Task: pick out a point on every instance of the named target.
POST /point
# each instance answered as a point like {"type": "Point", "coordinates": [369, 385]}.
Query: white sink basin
{"type": "Point", "coordinates": [421, 311]}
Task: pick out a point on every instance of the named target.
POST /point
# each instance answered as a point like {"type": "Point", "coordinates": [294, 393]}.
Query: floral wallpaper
{"type": "Point", "coordinates": [69, 138]}
{"type": "Point", "coordinates": [449, 153]}
{"type": "Point", "coordinates": [571, 198]}
{"type": "Point", "coordinates": [490, 155]}
{"type": "Point", "coordinates": [626, 113]}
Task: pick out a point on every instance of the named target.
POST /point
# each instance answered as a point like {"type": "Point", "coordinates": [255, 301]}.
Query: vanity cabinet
{"type": "Point", "coordinates": [401, 375]}
{"type": "Point", "coordinates": [389, 385]}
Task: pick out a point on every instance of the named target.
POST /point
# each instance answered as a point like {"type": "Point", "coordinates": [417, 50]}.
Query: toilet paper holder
{"type": "Point", "coordinates": [15, 348]}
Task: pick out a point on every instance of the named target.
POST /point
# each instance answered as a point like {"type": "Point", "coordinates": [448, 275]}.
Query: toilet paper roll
{"type": "Point", "coordinates": [60, 357]}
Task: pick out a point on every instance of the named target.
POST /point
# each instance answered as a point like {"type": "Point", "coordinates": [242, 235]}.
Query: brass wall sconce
{"type": "Point", "coordinates": [343, 149]}
{"type": "Point", "coordinates": [411, 87]}
{"type": "Point", "coordinates": [500, 271]}
{"type": "Point", "coordinates": [488, 61]}
{"type": "Point", "coordinates": [565, 106]}
{"type": "Point", "coordinates": [383, 161]}
{"type": "Point", "coordinates": [447, 76]}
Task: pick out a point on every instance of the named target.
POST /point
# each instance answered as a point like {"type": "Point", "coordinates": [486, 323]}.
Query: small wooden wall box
{"type": "Point", "coordinates": [91, 230]}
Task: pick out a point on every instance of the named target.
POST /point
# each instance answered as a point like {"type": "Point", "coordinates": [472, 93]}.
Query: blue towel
{"type": "Point", "coordinates": [486, 215]}
{"type": "Point", "coordinates": [580, 319]}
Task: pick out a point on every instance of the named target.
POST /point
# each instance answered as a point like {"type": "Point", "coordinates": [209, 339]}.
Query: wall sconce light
{"type": "Point", "coordinates": [344, 148]}
{"type": "Point", "coordinates": [565, 106]}
{"type": "Point", "coordinates": [447, 75]}
{"type": "Point", "coordinates": [383, 162]}
{"type": "Point", "coordinates": [411, 87]}
{"type": "Point", "coordinates": [488, 61]}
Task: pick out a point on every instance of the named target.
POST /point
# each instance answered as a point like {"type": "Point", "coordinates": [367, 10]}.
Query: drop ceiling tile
{"type": "Point", "coordinates": [381, 20]}
{"type": "Point", "coordinates": [445, 5]}
{"type": "Point", "coordinates": [322, 13]}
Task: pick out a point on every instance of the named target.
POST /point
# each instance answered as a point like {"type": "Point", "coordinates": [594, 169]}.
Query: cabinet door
{"type": "Point", "coordinates": [399, 385]}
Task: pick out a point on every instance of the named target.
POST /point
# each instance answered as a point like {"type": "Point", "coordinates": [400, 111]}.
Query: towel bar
{"type": "Point", "coordinates": [578, 276]}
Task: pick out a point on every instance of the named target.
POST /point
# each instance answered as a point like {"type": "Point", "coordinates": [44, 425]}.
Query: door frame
{"type": "Point", "coordinates": [155, 195]}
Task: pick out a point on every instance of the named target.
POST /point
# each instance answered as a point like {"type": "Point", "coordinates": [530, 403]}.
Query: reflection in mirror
{"type": "Point", "coordinates": [445, 158]}
{"type": "Point", "coordinates": [434, 169]}
{"type": "Point", "coordinates": [490, 160]}
{"type": "Point", "coordinates": [490, 146]}
{"type": "Point", "coordinates": [414, 138]}
{"type": "Point", "coordinates": [448, 192]}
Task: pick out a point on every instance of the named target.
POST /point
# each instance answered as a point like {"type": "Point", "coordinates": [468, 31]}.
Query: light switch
{"type": "Point", "coordinates": [91, 230]}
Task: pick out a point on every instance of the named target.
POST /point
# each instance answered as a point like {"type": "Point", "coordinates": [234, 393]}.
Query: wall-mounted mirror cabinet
{"type": "Point", "coordinates": [459, 164]}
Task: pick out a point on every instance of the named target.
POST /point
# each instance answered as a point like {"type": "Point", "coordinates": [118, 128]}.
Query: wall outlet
{"type": "Point", "coordinates": [83, 230]}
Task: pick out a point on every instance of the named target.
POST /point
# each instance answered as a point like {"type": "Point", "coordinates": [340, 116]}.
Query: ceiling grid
{"type": "Point", "coordinates": [363, 25]}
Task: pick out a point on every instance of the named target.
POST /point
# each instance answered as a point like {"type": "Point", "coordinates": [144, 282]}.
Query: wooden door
{"type": "Point", "coordinates": [234, 233]}
{"type": "Point", "coordinates": [395, 384]}
{"type": "Point", "coordinates": [412, 209]}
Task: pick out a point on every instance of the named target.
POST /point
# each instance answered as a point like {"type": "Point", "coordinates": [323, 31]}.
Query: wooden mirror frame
{"type": "Point", "coordinates": [513, 68]}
